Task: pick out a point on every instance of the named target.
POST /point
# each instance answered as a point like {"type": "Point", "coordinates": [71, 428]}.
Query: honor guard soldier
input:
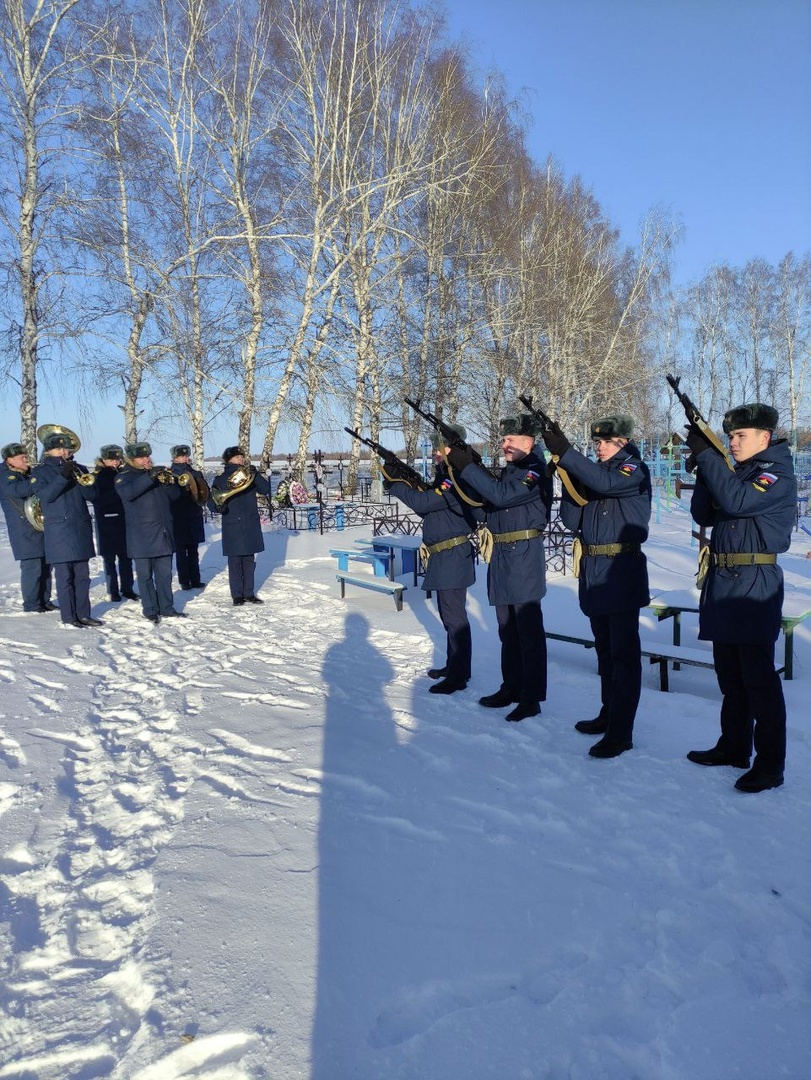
{"type": "Point", "coordinates": [27, 542]}
{"type": "Point", "coordinates": [448, 518]}
{"type": "Point", "coordinates": [517, 511]}
{"type": "Point", "coordinates": [233, 495]}
{"type": "Point", "coordinates": [147, 491]}
{"type": "Point", "coordinates": [752, 511]}
{"type": "Point", "coordinates": [111, 526]}
{"type": "Point", "coordinates": [187, 520]}
{"type": "Point", "coordinates": [609, 515]}
{"type": "Point", "coordinates": [64, 489]}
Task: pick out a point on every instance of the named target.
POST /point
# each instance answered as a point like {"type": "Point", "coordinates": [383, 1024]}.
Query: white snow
{"type": "Point", "coordinates": [250, 844]}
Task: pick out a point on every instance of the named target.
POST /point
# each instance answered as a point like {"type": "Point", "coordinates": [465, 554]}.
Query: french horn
{"type": "Point", "coordinates": [44, 430]}
{"type": "Point", "coordinates": [240, 480]}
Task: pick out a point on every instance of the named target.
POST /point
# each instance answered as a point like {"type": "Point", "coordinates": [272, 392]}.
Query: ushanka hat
{"type": "Point", "coordinates": [139, 449]}
{"type": "Point", "coordinates": [57, 440]}
{"type": "Point", "coordinates": [232, 452]}
{"type": "Point", "coordinates": [12, 449]}
{"type": "Point", "coordinates": [752, 415]}
{"type": "Point", "coordinates": [522, 424]}
{"type": "Point", "coordinates": [438, 439]}
{"type": "Point", "coordinates": [111, 452]}
{"type": "Point", "coordinates": [618, 426]}
{"type": "Point", "coordinates": [181, 450]}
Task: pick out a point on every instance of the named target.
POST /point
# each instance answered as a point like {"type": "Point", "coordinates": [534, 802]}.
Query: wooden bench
{"type": "Point", "coordinates": [663, 654]}
{"type": "Point", "coordinates": [660, 654]}
{"type": "Point", "coordinates": [585, 642]}
{"type": "Point", "coordinates": [376, 584]}
{"type": "Point", "coordinates": [380, 560]}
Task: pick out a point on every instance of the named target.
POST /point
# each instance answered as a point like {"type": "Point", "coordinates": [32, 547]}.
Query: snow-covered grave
{"type": "Point", "coordinates": [249, 844]}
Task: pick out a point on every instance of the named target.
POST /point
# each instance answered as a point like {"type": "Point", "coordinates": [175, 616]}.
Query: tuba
{"type": "Point", "coordinates": [44, 430]}
{"type": "Point", "coordinates": [240, 480]}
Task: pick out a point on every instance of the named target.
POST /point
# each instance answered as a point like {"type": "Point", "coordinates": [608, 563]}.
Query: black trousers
{"type": "Point", "coordinates": [753, 706]}
{"type": "Point", "coordinates": [523, 650]}
{"type": "Point", "coordinates": [619, 663]}
{"type": "Point", "coordinates": [155, 584]}
{"type": "Point", "coordinates": [35, 583]}
{"type": "Point", "coordinates": [241, 573]}
{"type": "Point", "coordinates": [73, 589]}
{"type": "Point", "coordinates": [453, 613]}
{"type": "Point", "coordinates": [187, 560]}
{"type": "Point", "coordinates": [118, 579]}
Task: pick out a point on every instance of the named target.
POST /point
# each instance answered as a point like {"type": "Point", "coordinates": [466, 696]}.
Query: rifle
{"type": "Point", "coordinates": [451, 437]}
{"type": "Point", "coordinates": [695, 418]}
{"type": "Point", "coordinates": [392, 468]}
{"type": "Point", "coordinates": [546, 423]}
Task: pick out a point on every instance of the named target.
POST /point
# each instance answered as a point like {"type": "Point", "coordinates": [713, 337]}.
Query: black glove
{"type": "Point", "coordinates": [68, 468]}
{"type": "Point", "coordinates": [459, 457]}
{"type": "Point", "coordinates": [697, 440]}
{"type": "Point", "coordinates": [556, 441]}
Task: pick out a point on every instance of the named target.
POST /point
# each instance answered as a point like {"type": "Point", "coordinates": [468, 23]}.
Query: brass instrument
{"type": "Point", "coordinates": [240, 480]}
{"type": "Point", "coordinates": [198, 489]}
{"type": "Point", "coordinates": [44, 430]}
{"type": "Point", "coordinates": [32, 508]}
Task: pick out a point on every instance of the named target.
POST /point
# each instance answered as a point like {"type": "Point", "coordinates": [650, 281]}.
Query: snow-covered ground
{"type": "Point", "coordinates": [250, 844]}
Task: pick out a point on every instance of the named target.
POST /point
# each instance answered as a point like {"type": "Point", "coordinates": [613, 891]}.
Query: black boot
{"type": "Point", "coordinates": [437, 672]}
{"type": "Point", "coordinates": [447, 686]}
{"type": "Point", "coordinates": [597, 726]}
{"type": "Point", "coordinates": [756, 780]}
{"type": "Point", "coordinates": [524, 709]}
{"type": "Point", "coordinates": [717, 757]}
{"type": "Point", "coordinates": [607, 748]}
{"type": "Point", "coordinates": [499, 700]}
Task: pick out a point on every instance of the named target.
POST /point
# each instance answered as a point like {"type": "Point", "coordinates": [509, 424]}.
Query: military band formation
{"type": "Point", "coordinates": [145, 514]}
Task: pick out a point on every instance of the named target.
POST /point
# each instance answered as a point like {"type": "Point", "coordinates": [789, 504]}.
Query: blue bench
{"type": "Point", "coordinates": [376, 584]}
{"type": "Point", "coordinates": [381, 561]}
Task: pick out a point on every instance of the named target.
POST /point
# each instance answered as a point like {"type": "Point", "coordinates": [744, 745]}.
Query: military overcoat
{"type": "Point", "coordinates": [617, 512]}
{"type": "Point", "coordinates": [241, 527]}
{"type": "Point", "coordinates": [108, 510]}
{"type": "Point", "coordinates": [751, 509]}
{"type": "Point", "coordinates": [15, 487]}
{"type": "Point", "coordinates": [445, 515]}
{"type": "Point", "coordinates": [187, 515]}
{"type": "Point", "coordinates": [520, 499]}
{"type": "Point", "coordinates": [68, 525]}
{"type": "Point", "coordinates": [147, 509]}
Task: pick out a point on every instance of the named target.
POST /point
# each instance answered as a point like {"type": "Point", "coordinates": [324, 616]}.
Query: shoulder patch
{"type": "Point", "coordinates": [446, 485]}
{"type": "Point", "coordinates": [764, 481]}
{"type": "Point", "coordinates": [531, 478]}
{"type": "Point", "coordinates": [629, 468]}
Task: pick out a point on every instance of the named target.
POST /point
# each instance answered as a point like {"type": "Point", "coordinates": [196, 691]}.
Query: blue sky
{"type": "Point", "coordinates": [702, 106]}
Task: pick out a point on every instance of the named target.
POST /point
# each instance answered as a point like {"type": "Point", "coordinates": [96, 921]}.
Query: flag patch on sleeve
{"type": "Point", "coordinates": [531, 478]}
{"type": "Point", "coordinates": [446, 484]}
{"type": "Point", "coordinates": [764, 481]}
{"type": "Point", "coordinates": [628, 469]}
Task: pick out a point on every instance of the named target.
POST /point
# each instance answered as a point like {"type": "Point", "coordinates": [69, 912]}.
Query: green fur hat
{"type": "Point", "coordinates": [521, 424]}
{"type": "Point", "coordinates": [752, 415]}
{"type": "Point", "coordinates": [617, 426]}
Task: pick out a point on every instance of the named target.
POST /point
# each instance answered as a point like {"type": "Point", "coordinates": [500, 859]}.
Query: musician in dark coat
{"type": "Point", "coordinates": [517, 509]}
{"type": "Point", "coordinates": [147, 492]}
{"type": "Point", "coordinates": [752, 511]}
{"type": "Point", "coordinates": [448, 519]}
{"type": "Point", "coordinates": [68, 527]}
{"type": "Point", "coordinates": [111, 527]}
{"type": "Point", "coordinates": [612, 571]}
{"type": "Point", "coordinates": [27, 543]}
{"type": "Point", "coordinates": [187, 521]}
{"type": "Point", "coordinates": [236, 489]}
